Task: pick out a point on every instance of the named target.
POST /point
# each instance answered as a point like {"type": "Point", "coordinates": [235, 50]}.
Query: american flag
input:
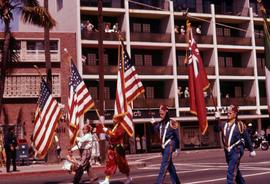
{"type": "Point", "coordinates": [79, 102]}
{"type": "Point", "coordinates": [129, 87]}
{"type": "Point", "coordinates": [47, 116]}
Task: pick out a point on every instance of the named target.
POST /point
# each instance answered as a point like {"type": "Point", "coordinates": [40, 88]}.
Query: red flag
{"type": "Point", "coordinates": [79, 102]}
{"type": "Point", "coordinates": [129, 87]}
{"type": "Point", "coordinates": [197, 83]}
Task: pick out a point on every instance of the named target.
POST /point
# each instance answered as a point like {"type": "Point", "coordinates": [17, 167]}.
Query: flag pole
{"type": "Point", "coordinates": [96, 110]}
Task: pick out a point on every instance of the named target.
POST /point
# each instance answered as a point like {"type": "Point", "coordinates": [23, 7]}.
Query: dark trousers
{"type": "Point", "coordinates": [167, 165]}
{"type": "Point", "coordinates": [233, 160]}
{"type": "Point", "coordinates": [11, 155]}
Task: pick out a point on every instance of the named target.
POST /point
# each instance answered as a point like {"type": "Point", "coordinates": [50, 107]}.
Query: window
{"type": "Point", "coordinates": [94, 92]}
{"type": "Point", "coordinates": [138, 60]}
{"type": "Point", "coordinates": [150, 92]}
{"type": "Point", "coordinates": [59, 5]}
{"type": "Point", "coordinates": [146, 28]}
{"type": "Point", "coordinates": [106, 93]}
{"type": "Point", "coordinates": [137, 27]}
{"type": "Point", "coordinates": [148, 60]}
{"type": "Point", "coordinates": [39, 45]}
{"type": "Point", "coordinates": [221, 61]}
{"type": "Point", "coordinates": [106, 59]}
{"type": "Point", "coordinates": [227, 32]}
{"type": "Point", "coordinates": [238, 91]}
{"type": "Point", "coordinates": [223, 31]}
{"type": "Point", "coordinates": [181, 60]}
{"type": "Point", "coordinates": [229, 62]}
{"type": "Point", "coordinates": [91, 59]}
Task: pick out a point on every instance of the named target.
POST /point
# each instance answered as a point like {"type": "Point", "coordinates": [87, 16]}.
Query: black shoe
{"type": "Point", "coordinates": [16, 170]}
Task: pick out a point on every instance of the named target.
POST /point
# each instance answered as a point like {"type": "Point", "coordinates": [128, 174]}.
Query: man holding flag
{"type": "Point", "coordinates": [129, 87]}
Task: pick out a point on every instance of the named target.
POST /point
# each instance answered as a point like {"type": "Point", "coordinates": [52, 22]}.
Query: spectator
{"type": "Point", "coordinates": [107, 28]}
{"type": "Point", "coordinates": [182, 30]}
{"type": "Point", "coordinates": [89, 27]}
{"type": "Point", "coordinates": [10, 148]}
{"type": "Point", "coordinates": [144, 144]}
{"type": "Point", "coordinates": [115, 28]}
{"type": "Point", "coordinates": [186, 93]}
{"type": "Point", "coordinates": [198, 30]}
{"type": "Point", "coordinates": [180, 92]}
{"type": "Point", "coordinates": [176, 29]}
{"type": "Point", "coordinates": [84, 59]}
{"type": "Point", "coordinates": [138, 144]}
{"type": "Point", "coordinates": [268, 134]}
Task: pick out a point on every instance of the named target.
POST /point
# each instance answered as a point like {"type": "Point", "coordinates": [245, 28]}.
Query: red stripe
{"type": "Point", "coordinates": [86, 106]}
{"type": "Point", "coordinates": [46, 126]}
{"type": "Point", "coordinates": [80, 103]}
{"type": "Point", "coordinates": [43, 119]}
{"type": "Point", "coordinates": [132, 97]}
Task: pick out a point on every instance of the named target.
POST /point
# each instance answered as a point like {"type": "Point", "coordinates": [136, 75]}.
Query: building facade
{"type": "Point", "coordinates": [22, 84]}
{"type": "Point", "coordinates": [231, 45]}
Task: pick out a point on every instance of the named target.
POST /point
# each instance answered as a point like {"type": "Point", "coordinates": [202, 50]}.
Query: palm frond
{"type": "Point", "coordinates": [30, 3]}
{"type": "Point", "coordinates": [13, 55]}
{"type": "Point", "coordinates": [38, 16]}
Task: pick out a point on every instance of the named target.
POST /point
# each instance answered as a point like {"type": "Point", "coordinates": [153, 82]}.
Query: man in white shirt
{"type": "Point", "coordinates": [84, 145]}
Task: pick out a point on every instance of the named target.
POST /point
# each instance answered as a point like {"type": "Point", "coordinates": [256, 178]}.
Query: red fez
{"type": "Point", "coordinates": [234, 108]}
{"type": "Point", "coordinates": [163, 107]}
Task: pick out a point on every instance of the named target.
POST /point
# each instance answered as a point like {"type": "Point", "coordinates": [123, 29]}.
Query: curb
{"type": "Point", "coordinates": [61, 171]}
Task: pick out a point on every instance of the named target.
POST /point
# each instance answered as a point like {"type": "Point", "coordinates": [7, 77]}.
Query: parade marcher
{"type": "Point", "coordinates": [168, 131]}
{"type": "Point", "coordinates": [84, 145]}
{"type": "Point", "coordinates": [235, 138]}
{"type": "Point", "coordinates": [70, 163]}
{"type": "Point", "coordinates": [95, 157]}
{"type": "Point", "coordinates": [10, 149]}
{"type": "Point", "coordinates": [116, 154]}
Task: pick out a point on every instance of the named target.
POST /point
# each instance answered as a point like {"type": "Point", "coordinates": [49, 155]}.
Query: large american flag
{"type": "Point", "coordinates": [129, 87]}
{"type": "Point", "coordinates": [79, 102]}
{"type": "Point", "coordinates": [46, 121]}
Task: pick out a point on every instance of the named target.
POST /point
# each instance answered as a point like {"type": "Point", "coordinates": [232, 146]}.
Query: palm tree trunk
{"type": "Point", "coordinates": [47, 51]}
{"type": "Point", "coordinates": [5, 59]}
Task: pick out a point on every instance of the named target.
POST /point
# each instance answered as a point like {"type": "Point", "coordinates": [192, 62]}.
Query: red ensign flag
{"type": "Point", "coordinates": [197, 83]}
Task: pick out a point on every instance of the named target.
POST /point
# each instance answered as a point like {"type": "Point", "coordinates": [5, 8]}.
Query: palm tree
{"type": "Point", "coordinates": [31, 12]}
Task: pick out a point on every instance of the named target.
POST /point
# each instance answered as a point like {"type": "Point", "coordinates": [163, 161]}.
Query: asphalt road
{"type": "Point", "coordinates": [204, 166]}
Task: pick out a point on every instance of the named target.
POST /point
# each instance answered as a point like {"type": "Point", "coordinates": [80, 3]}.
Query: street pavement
{"type": "Point", "coordinates": [202, 166]}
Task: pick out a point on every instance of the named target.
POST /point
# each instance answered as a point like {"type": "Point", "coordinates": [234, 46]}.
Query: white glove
{"type": "Point", "coordinates": [252, 154]}
{"type": "Point", "coordinates": [217, 115]}
{"type": "Point", "coordinates": [105, 129]}
{"type": "Point", "coordinates": [152, 120]}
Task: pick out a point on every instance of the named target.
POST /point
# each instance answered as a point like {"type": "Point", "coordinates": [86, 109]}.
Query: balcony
{"type": "Point", "coordinates": [184, 102]}
{"type": "Point", "coordinates": [201, 39]}
{"type": "Point", "coordinates": [184, 70]}
{"type": "Point", "coordinates": [142, 70]}
{"type": "Point", "coordinates": [90, 35]}
{"type": "Point", "coordinates": [261, 71]}
{"type": "Point", "coordinates": [236, 71]}
{"type": "Point", "coordinates": [150, 37]}
{"type": "Point", "coordinates": [94, 69]}
{"type": "Point", "coordinates": [154, 70]}
{"type": "Point", "coordinates": [263, 101]}
{"type": "Point", "coordinates": [259, 41]}
{"type": "Point", "coordinates": [222, 40]}
{"type": "Point", "coordinates": [154, 5]}
{"type": "Point", "coordinates": [106, 3]}
{"type": "Point", "coordinates": [241, 101]}
{"type": "Point", "coordinates": [152, 103]}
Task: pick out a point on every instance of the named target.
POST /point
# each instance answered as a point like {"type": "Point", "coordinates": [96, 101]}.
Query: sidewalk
{"type": "Point", "coordinates": [56, 168]}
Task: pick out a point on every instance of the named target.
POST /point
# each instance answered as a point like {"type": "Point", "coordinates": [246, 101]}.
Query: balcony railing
{"type": "Point", "coordinates": [94, 69]}
{"type": "Point", "coordinates": [184, 102]}
{"type": "Point", "coordinates": [106, 3]}
{"type": "Point", "coordinates": [142, 70]}
{"type": "Point", "coordinates": [223, 40]}
{"type": "Point", "coordinates": [150, 37]}
{"type": "Point", "coordinates": [259, 41]}
{"type": "Point", "coordinates": [263, 101]}
{"type": "Point", "coordinates": [37, 55]}
{"type": "Point", "coordinates": [261, 71]}
{"type": "Point", "coordinates": [236, 71]}
{"type": "Point", "coordinates": [154, 5]}
{"type": "Point", "coordinates": [154, 70]}
{"type": "Point", "coordinates": [202, 39]}
{"type": "Point", "coordinates": [183, 70]}
{"type": "Point", "coordinates": [91, 35]}
{"type": "Point", "coordinates": [238, 101]}
{"type": "Point", "coordinates": [153, 103]}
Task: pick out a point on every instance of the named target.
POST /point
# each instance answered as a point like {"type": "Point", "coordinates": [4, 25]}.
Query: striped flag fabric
{"type": "Point", "coordinates": [267, 56]}
{"type": "Point", "coordinates": [47, 116]}
{"type": "Point", "coordinates": [129, 87]}
{"type": "Point", "coordinates": [79, 101]}
{"type": "Point", "coordinates": [197, 82]}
